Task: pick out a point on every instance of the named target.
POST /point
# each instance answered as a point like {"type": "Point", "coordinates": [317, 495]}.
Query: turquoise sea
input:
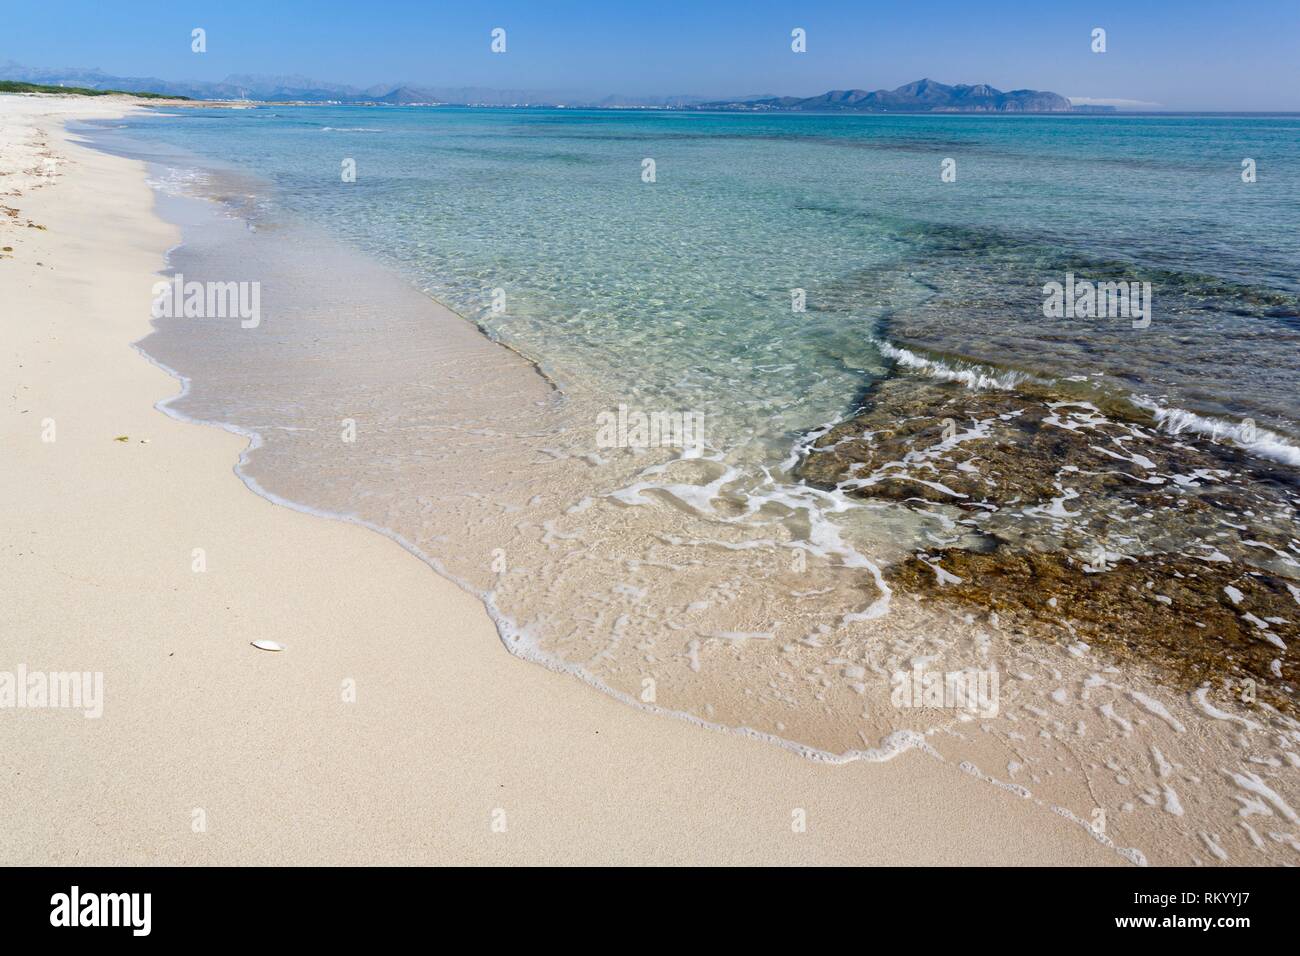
{"type": "Point", "coordinates": [678, 293]}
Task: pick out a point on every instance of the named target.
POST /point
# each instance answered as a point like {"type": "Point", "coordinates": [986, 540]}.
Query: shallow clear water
{"type": "Point", "coordinates": [677, 294]}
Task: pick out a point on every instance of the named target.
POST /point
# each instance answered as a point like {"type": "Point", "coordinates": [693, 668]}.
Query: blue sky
{"type": "Point", "coordinates": [1183, 54]}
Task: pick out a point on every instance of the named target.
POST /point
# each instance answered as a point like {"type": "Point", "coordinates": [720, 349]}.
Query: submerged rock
{"type": "Point", "coordinates": [1079, 521]}
{"type": "Point", "coordinates": [1195, 622]}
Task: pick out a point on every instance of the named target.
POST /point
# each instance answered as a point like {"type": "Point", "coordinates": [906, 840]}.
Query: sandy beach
{"type": "Point", "coordinates": [357, 743]}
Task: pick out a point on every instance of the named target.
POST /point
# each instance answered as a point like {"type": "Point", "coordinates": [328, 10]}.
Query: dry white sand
{"type": "Point", "coordinates": [448, 733]}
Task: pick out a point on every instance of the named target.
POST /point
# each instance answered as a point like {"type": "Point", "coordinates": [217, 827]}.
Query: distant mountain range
{"type": "Point", "coordinates": [923, 96]}
{"type": "Point", "coordinates": [303, 89]}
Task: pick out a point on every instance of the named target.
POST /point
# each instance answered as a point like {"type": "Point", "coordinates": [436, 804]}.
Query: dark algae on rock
{"type": "Point", "coordinates": [1077, 520]}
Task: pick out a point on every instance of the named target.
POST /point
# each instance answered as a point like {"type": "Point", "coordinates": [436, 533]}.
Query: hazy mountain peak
{"type": "Point", "coordinates": [920, 96]}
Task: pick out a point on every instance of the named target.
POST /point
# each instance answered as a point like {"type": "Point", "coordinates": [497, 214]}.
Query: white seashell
{"type": "Point", "coordinates": [267, 645]}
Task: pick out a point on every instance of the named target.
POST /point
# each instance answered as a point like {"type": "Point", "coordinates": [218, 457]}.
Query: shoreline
{"type": "Point", "coordinates": [674, 792]}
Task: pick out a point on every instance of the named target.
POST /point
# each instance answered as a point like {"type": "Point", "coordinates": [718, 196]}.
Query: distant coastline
{"type": "Point", "coordinates": [925, 97]}
{"type": "Point", "coordinates": [920, 96]}
{"type": "Point", "coordinates": [14, 86]}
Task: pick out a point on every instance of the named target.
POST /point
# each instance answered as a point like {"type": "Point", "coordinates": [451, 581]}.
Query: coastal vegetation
{"type": "Point", "coordinates": [13, 86]}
